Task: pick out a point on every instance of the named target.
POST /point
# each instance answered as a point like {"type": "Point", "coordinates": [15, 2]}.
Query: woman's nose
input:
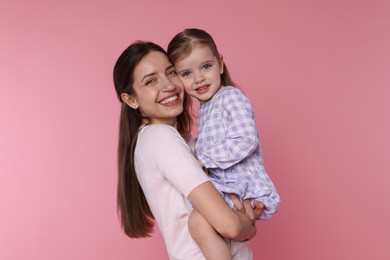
{"type": "Point", "coordinates": [168, 85]}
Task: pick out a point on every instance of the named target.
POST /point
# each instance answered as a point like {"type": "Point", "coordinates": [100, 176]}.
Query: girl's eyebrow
{"type": "Point", "coordinates": [208, 61]}
{"type": "Point", "coordinates": [179, 71]}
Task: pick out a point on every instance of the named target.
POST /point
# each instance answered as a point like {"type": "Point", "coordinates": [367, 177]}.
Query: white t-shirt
{"type": "Point", "coordinates": [167, 172]}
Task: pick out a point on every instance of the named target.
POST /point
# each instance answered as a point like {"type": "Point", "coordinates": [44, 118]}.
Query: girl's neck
{"type": "Point", "coordinates": [218, 90]}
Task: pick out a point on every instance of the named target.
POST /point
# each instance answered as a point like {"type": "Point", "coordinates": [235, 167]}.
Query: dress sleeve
{"type": "Point", "coordinates": [240, 137]}
{"type": "Point", "coordinates": [174, 160]}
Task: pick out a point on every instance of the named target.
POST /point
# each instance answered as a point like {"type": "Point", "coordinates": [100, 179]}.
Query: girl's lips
{"type": "Point", "coordinates": [202, 89]}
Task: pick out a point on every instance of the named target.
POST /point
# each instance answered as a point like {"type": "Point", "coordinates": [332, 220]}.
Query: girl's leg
{"type": "Point", "coordinates": [209, 241]}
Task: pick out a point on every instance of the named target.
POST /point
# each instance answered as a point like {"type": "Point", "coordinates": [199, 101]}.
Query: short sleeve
{"type": "Point", "coordinates": [163, 146]}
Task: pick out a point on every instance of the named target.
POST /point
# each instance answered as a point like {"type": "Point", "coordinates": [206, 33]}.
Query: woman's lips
{"type": "Point", "coordinates": [170, 101]}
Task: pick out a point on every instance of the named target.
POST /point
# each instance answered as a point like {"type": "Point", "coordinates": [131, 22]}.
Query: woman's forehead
{"type": "Point", "coordinates": [153, 62]}
{"type": "Point", "coordinates": [154, 59]}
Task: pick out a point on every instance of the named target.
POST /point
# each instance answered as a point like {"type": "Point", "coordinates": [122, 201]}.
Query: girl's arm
{"type": "Point", "coordinates": [230, 224]}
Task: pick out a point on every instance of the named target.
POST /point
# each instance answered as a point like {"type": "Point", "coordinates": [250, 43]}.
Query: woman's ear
{"type": "Point", "coordinates": [130, 101]}
{"type": "Point", "coordinates": [221, 64]}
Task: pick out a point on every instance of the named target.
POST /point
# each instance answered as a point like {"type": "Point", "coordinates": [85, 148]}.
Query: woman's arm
{"type": "Point", "coordinates": [178, 166]}
{"type": "Point", "coordinates": [230, 224]}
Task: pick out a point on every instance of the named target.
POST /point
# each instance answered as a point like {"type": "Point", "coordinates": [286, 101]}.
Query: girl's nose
{"type": "Point", "coordinates": [199, 77]}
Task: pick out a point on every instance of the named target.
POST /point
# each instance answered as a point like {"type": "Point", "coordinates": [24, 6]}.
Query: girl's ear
{"type": "Point", "coordinates": [221, 64]}
{"type": "Point", "coordinates": [130, 101]}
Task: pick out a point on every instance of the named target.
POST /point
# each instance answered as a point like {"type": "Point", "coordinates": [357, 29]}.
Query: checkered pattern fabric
{"type": "Point", "coordinates": [229, 147]}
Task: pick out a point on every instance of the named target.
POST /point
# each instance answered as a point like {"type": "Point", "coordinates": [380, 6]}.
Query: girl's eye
{"type": "Point", "coordinates": [207, 66]}
{"type": "Point", "coordinates": [185, 74]}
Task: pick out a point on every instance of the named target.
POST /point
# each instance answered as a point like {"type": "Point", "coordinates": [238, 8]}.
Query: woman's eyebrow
{"type": "Point", "coordinates": [147, 75]}
{"type": "Point", "coordinates": [169, 67]}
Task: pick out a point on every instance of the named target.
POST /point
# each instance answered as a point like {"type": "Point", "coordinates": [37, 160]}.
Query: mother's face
{"type": "Point", "coordinates": [159, 93]}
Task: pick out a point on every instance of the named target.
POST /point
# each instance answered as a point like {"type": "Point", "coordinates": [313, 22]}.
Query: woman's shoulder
{"type": "Point", "coordinates": [160, 141]}
{"type": "Point", "coordinates": [158, 134]}
{"type": "Point", "coordinates": [157, 130]}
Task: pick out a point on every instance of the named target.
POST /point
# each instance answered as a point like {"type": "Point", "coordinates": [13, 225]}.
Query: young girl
{"type": "Point", "coordinates": [227, 144]}
{"type": "Point", "coordinates": [158, 173]}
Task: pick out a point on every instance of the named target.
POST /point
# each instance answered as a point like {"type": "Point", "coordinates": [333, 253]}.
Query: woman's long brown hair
{"type": "Point", "coordinates": [135, 215]}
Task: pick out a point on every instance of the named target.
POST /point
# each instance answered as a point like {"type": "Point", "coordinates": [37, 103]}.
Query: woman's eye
{"type": "Point", "coordinates": [172, 73]}
{"type": "Point", "coordinates": [150, 81]}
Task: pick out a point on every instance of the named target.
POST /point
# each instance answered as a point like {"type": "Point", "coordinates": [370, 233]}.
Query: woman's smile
{"type": "Point", "coordinates": [159, 92]}
{"type": "Point", "coordinates": [170, 101]}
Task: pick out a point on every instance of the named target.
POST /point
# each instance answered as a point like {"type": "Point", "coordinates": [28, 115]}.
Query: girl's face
{"type": "Point", "coordinates": [200, 72]}
{"type": "Point", "coordinates": [158, 90]}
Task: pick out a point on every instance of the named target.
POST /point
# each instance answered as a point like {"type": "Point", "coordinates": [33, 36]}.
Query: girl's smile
{"type": "Point", "coordinates": [200, 72]}
{"type": "Point", "coordinates": [203, 89]}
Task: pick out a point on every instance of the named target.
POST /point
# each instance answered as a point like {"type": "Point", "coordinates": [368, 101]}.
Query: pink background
{"type": "Point", "coordinates": [317, 73]}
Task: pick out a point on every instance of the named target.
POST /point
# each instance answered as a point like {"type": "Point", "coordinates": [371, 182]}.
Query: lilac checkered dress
{"type": "Point", "coordinates": [228, 145]}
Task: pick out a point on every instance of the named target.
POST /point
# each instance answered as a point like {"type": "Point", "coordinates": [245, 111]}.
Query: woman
{"type": "Point", "coordinates": [158, 174]}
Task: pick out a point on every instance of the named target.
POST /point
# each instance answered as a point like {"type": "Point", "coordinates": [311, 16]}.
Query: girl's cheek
{"type": "Point", "coordinates": [187, 88]}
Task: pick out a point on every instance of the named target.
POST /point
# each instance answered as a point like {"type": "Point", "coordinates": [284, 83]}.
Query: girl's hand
{"type": "Point", "coordinates": [246, 207]}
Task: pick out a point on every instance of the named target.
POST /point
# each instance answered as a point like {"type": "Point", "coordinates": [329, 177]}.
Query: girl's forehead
{"type": "Point", "coordinates": [200, 46]}
{"type": "Point", "coordinates": [199, 52]}
{"type": "Point", "coordinates": [191, 47]}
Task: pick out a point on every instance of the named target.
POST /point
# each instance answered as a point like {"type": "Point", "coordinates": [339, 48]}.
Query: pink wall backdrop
{"type": "Point", "coordinates": [318, 75]}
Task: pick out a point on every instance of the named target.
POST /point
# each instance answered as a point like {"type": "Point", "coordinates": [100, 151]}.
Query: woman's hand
{"type": "Point", "coordinates": [228, 223]}
{"type": "Point", "coordinates": [246, 207]}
